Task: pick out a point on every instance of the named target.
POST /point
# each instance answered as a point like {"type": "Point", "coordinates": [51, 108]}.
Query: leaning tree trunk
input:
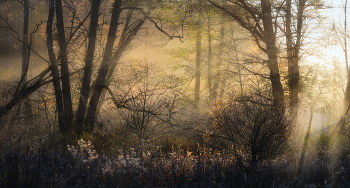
{"type": "Point", "coordinates": [125, 40]}
{"type": "Point", "coordinates": [88, 67]}
{"type": "Point", "coordinates": [115, 60]}
{"type": "Point", "coordinates": [105, 65]}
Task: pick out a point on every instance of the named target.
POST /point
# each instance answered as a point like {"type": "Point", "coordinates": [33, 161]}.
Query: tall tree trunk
{"type": "Point", "coordinates": [115, 60]}
{"type": "Point", "coordinates": [293, 55]}
{"type": "Point", "coordinates": [289, 42]}
{"type": "Point", "coordinates": [263, 33]}
{"type": "Point", "coordinates": [105, 65]}
{"type": "Point", "coordinates": [346, 101]}
{"type": "Point", "coordinates": [218, 73]}
{"type": "Point", "coordinates": [239, 66]}
{"type": "Point", "coordinates": [272, 52]}
{"type": "Point", "coordinates": [125, 40]}
{"type": "Point", "coordinates": [25, 61]}
{"type": "Point", "coordinates": [88, 67]}
{"type": "Point", "coordinates": [209, 61]}
{"type": "Point", "coordinates": [54, 69]}
{"type": "Point", "coordinates": [67, 99]}
{"type": "Point", "coordinates": [198, 67]}
{"type": "Point", "coordinates": [296, 56]}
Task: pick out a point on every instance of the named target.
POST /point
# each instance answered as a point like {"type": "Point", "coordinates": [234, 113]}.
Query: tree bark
{"type": "Point", "coordinates": [289, 43]}
{"type": "Point", "coordinates": [105, 65]}
{"type": "Point", "coordinates": [54, 69]}
{"type": "Point", "coordinates": [239, 66]}
{"type": "Point", "coordinates": [123, 43]}
{"type": "Point", "coordinates": [293, 55]}
{"type": "Point", "coordinates": [115, 60]}
{"type": "Point", "coordinates": [346, 101]}
{"type": "Point", "coordinates": [67, 100]}
{"type": "Point", "coordinates": [88, 67]}
{"type": "Point", "coordinates": [219, 62]}
{"type": "Point", "coordinates": [25, 61]}
{"type": "Point", "coordinates": [198, 67]}
{"type": "Point", "coordinates": [209, 61]}
{"type": "Point", "coordinates": [272, 52]}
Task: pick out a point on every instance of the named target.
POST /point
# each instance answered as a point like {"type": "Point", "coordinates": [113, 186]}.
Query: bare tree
{"type": "Point", "coordinates": [54, 69]}
{"type": "Point", "coordinates": [259, 22]}
{"type": "Point", "coordinates": [61, 72]}
{"type": "Point", "coordinates": [293, 52]}
{"type": "Point", "coordinates": [88, 67]}
{"type": "Point", "coordinates": [253, 129]}
{"type": "Point", "coordinates": [63, 57]}
{"type": "Point", "coordinates": [346, 100]}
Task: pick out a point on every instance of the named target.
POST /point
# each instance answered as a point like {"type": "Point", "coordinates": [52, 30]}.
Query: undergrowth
{"type": "Point", "coordinates": [40, 165]}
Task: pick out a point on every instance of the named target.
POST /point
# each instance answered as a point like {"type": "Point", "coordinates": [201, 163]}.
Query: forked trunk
{"type": "Point", "coordinates": [88, 67]}
{"type": "Point", "coordinates": [67, 99]}
{"type": "Point", "coordinates": [54, 69]}
{"type": "Point", "coordinates": [272, 53]}
{"type": "Point", "coordinates": [105, 65]}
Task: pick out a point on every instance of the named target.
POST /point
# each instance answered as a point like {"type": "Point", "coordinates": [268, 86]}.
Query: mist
{"type": "Point", "coordinates": [198, 93]}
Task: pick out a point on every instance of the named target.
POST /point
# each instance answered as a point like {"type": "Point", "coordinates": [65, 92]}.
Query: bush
{"type": "Point", "coordinates": [251, 128]}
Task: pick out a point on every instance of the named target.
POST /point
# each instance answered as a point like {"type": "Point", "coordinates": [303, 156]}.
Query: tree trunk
{"type": "Point", "coordinates": [115, 61]}
{"type": "Point", "coordinates": [293, 55]}
{"type": "Point", "coordinates": [198, 68]}
{"type": "Point", "coordinates": [272, 52]}
{"type": "Point", "coordinates": [289, 42]}
{"type": "Point", "coordinates": [239, 66]}
{"type": "Point", "coordinates": [218, 73]}
{"type": "Point", "coordinates": [294, 68]}
{"type": "Point", "coordinates": [105, 65]}
{"type": "Point", "coordinates": [123, 43]}
{"type": "Point", "coordinates": [263, 33]}
{"type": "Point", "coordinates": [346, 101]}
{"type": "Point", "coordinates": [67, 100]}
{"type": "Point", "coordinates": [54, 69]}
{"type": "Point", "coordinates": [25, 61]}
{"type": "Point", "coordinates": [209, 61]}
{"type": "Point", "coordinates": [88, 67]}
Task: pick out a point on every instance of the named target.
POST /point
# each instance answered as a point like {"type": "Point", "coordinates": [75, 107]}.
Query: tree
{"type": "Point", "coordinates": [63, 57]}
{"type": "Point", "coordinates": [198, 63]}
{"type": "Point", "coordinates": [346, 100]}
{"type": "Point", "coordinates": [54, 70]}
{"type": "Point", "coordinates": [88, 66]}
{"type": "Point", "coordinates": [106, 63]}
{"type": "Point", "coordinates": [64, 102]}
{"type": "Point", "coordinates": [259, 22]}
{"type": "Point", "coordinates": [25, 57]}
{"type": "Point", "coordinates": [252, 130]}
{"type": "Point", "coordinates": [293, 51]}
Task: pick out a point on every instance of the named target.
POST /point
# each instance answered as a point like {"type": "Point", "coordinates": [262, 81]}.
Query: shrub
{"type": "Point", "coordinates": [251, 128]}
